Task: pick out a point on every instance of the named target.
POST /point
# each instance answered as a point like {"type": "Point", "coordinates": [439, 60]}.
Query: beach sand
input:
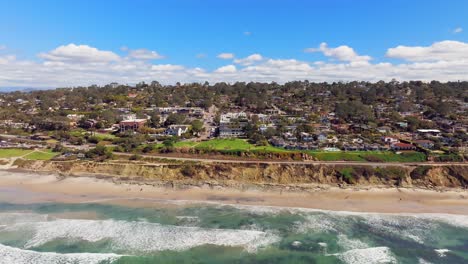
{"type": "Point", "coordinates": [29, 187]}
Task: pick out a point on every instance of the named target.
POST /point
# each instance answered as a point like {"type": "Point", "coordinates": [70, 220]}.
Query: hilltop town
{"type": "Point", "coordinates": [356, 121]}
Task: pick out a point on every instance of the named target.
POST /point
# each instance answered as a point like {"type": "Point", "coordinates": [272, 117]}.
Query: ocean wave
{"type": "Point", "coordinates": [142, 236]}
{"type": "Point", "coordinates": [10, 255]}
{"type": "Point", "coordinates": [374, 255]}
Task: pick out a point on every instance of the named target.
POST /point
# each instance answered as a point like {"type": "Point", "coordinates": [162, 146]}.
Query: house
{"type": "Point", "coordinates": [402, 146]}
{"type": "Point", "coordinates": [132, 124]}
{"type": "Point", "coordinates": [384, 130]}
{"type": "Point", "coordinates": [322, 138]}
{"type": "Point", "coordinates": [289, 136]}
{"type": "Point", "coordinates": [429, 132]}
{"type": "Point", "coordinates": [390, 140]}
{"type": "Point", "coordinates": [232, 125]}
{"type": "Point", "coordinates": [402, 124]}
{"type": "Point", "coordinates": [424, 143]}
{"type": "Point", "coordinates": [278, 142]}
{"type": "Point", "coordinates": [333, 139]}
{"type": "Point", "coordinates": [177, 130]}
{"type": "Point", "coordinates": [307, 137]}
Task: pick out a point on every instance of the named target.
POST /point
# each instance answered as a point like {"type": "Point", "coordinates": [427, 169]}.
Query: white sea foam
{"type": "Point", "coordinates": [350, 244]}
{"type": "Point", "coordinates": [374, 255]}
{"type": "Point", "coordinates": [407, 227]}
{"type": "Point", "coordinates": [10, 255]}
{"type": "Point", "coordinates": [142, 236]}
{"type": "Point", "coordinates": [442, 252]}
{"type": "Point", "coordinates": [423, 261]}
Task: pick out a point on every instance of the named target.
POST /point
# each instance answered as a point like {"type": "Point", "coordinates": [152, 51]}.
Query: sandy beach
{"type": "Point", "coordinates": [38, 188]}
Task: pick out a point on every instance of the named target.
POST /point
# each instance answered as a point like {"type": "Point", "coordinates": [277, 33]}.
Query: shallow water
{"type": "Point", "coordinates": [211, 233]}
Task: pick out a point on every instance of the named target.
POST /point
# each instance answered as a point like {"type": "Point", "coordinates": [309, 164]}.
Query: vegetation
{"type": "Point", "coordinates": [12, 153]}
{"type": "Point", "coordinates": [41, 155]}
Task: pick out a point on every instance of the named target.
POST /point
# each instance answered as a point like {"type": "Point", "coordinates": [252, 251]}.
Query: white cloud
{"type": "Point", "coordinates": [226, 69]}
{"type": "Point", "coordinates": [341, 53]}
{"type": "Point", "coordinates": [447, 50]}
{"type": "Point", "coordinates": [249, 60]}
{"type": "Point", "coordinates": [225, 56]}
{"type": "Point", "coordinates": [79, 54]}
{"type": "Point", "coordinates": [457, 30]}
{"type": "Point", "coordinates": [247, 33]}
{"type": "Point", "coordinates": [144, 54]}
{"type": "Point", "coordinates": [7, 59]}
{"type": "Point", "coordinates": [167, 67]}
{"type": "Point", "coordinates": [441, 61]}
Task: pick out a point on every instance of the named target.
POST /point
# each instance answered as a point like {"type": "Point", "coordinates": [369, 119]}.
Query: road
{"type": "Point", "coordinates": [353, 163]}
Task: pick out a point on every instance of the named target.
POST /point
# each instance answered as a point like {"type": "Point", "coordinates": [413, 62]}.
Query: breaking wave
{"type": "Point", "coordinates": [141, 236]}
{"type": "Point", "coordinates": [9, 255]}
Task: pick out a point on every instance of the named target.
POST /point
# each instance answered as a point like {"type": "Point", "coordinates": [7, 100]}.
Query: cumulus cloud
{"type": "Point", "coordinates": [144, 54]}
{"type": "Point", "coordinates": [225, 56]}
{"type": "Point", "coordinates": [447, 50]}
{"type": "Point", "coordinates": [249, 60]}
{"type": "Point", "coordinates": [79, 54]}
{"type": "Point", "coordinates": [457, 30]}
{"type": "Point", "coordinates": [444, 61]}
{"type": "Point", "coordinates": [341, 53]}
{"type": "Point", "coordinates": [167, 67]}
{"type": "Point", "coordinates": [226, 69]}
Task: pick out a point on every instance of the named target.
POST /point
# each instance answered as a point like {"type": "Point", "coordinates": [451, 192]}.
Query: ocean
{"type": "Point", "coordinates": [189, 232]}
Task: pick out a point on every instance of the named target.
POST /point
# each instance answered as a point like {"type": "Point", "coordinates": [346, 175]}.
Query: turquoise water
{"type": "Point", "coordinates": [210, 233]}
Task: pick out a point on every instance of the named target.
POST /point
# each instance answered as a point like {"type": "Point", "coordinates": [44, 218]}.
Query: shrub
{"type": "Point", "coordinates": [419, 172]}
{"type": "Point", "coordinates": [188, 171]}
{"type": "Point", "coordinates": [372, 158]}
{"type": "Point", "coordinates": [347, 174]}
{"type": "Point", "coordinates": [135, 157]}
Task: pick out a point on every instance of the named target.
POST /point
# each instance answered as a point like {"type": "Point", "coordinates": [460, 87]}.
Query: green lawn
{"type": "Point", "coordinates": [234, 145]}
{"type": "Point", "coordinates": [378, 156]}
{"type": "Point", "coordinates": [104, 136]}
{"type": "Point", "coordinates": [45, 154]}
{"type": "Point", "coordinates": [185, 144]}
{"type": "Point", "coordinates": [11, 153]}
{"type": "Point", "coordinates": [100, 136]}
{"type": "Point", "coordinates": [41, 155]}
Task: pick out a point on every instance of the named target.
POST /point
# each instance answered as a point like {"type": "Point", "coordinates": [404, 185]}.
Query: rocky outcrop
{"type": "Point", "coordinates": [262, 174]}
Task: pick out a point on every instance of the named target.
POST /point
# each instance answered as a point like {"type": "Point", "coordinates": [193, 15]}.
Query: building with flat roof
{"type": "Point", "coordinates": [132, 124]}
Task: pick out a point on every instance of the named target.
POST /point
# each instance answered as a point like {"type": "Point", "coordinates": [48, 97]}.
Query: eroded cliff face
{"type": "Point", "coordinates": [262, 174]}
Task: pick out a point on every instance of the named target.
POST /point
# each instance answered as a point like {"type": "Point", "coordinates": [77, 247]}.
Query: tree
{"type": "Point", "coordinates": [155, 120]}
{"type": "Point", "coordinates": [173, 119]}
{"type": "Point", "coordinates": [197, 126]}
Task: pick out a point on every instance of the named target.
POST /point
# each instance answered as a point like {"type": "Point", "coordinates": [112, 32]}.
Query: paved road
{"type": "Point", "coordinates": [356, 163]}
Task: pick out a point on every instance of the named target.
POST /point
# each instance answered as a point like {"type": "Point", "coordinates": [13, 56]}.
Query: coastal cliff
{"type": "Point", "coordinates": [289, 176]}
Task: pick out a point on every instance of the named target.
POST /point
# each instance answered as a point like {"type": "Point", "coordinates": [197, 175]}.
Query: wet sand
{"type": "Point", "coordinates": [35, 188]}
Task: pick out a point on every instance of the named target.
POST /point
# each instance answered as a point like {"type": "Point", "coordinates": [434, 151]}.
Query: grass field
{"type": "Point", "coordinates": [45, 154]}
{"type": "Point", "coordinates": [41, 155]}
{"type": "Point", "coordinates": [234, 145]}
{"type": "Point", "coordinates": [383, 156]}
{"type": "Point", "coordinates": [11, 153]}
{"type": "Point", "coordinates": [185, 144]}
{"type": "Point", "coordinates": [100, 136]}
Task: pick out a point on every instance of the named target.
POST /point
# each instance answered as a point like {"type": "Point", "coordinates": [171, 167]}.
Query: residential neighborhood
{"type": "Point", "coordinates": [429, 118]}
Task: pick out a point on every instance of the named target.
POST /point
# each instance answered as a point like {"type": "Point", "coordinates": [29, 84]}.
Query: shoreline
{"type": "Point", "coordinates": [44, 187]}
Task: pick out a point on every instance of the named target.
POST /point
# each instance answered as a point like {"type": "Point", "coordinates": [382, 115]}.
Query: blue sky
{"type": "Point", "coordinates": [191, 34]}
